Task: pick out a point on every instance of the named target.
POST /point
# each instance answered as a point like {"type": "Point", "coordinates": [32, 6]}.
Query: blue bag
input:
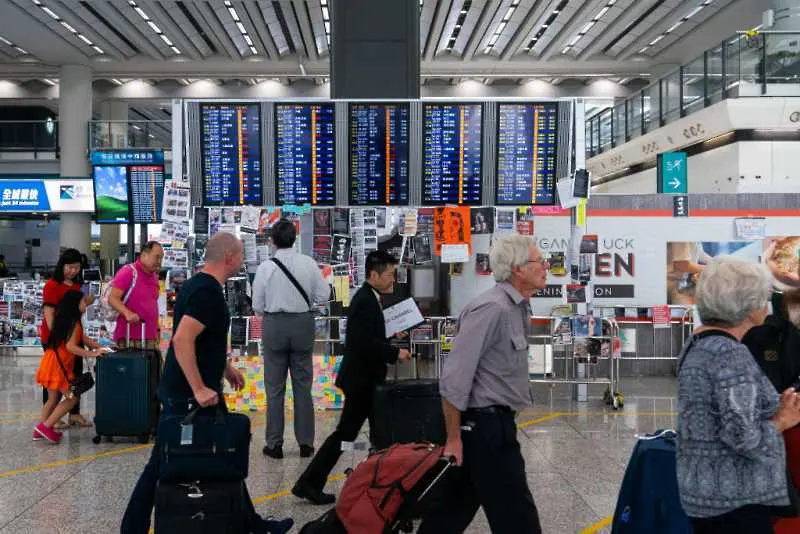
{"type": "Point", "coordinates": [648, 500]}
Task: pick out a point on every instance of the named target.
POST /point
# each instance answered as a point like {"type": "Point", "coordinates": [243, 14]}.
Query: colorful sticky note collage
{"type": "Point", "coordinates": [253, 398]}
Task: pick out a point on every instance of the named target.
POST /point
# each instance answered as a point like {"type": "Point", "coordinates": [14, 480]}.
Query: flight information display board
{"type": "Point", "coordinates": [451, 171]}
{"type": "Point", "coordinates": [379, 140]}
{"type": "Point", "coordinates": [231, 153]}
{"type": "Point", "coordinates": [305, 154]}
{"type": "Point", "coordinates": [526, 153]}
{"type": "Point", "coordinates": [147, 192]}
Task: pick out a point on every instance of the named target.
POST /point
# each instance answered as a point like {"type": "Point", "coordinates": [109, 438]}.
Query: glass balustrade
{"type": "Point", "coordinates": [746, 65]}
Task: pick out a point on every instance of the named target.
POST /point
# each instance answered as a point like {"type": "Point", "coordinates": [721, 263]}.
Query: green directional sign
{"type": "Point", "coordinates": [672, 176]}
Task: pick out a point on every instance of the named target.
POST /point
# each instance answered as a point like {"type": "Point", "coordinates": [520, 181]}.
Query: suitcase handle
{"type": "Point", "coordinates": [218, 419]}
{"type": "Point", "coordinates": [128, 338]}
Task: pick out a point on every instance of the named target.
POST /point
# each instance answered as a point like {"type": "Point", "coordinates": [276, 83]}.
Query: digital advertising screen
{"type": "Point", "coordinates": [305, 154]}
{"type": "Point", "coordinates": [378, 149]}
{"type": "Point", "coordinates": [452, 143]}
{"type": "Point", "coordinates": [111, 194]}
{"type": "Point", "coordinates": [230, 140]}
{"type": "Point", "coordinates": [527, 136]}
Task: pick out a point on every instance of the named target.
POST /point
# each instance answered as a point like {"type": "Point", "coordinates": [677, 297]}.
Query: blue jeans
{"type": "Point", "coordinates": [137, 516]}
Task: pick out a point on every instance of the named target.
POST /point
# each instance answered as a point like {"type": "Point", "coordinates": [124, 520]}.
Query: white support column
{"type": "Point", "coordinates": [74, 113]}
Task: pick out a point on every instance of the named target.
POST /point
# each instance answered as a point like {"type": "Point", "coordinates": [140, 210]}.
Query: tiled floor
{"type": "Point", "coordinates": [575, 453]}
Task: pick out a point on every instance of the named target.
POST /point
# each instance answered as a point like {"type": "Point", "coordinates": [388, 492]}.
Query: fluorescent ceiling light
{"type": "Point", "coordinates": [98, 49]}
{"type": "Point", "coordinates": [166, 40]}
{"type": "Point", "coordinates": [674, 26]}
{"type": "Point", "coordinates": [175, 49]}
{"type": "Point", "coordinates": [141, 13]}
{"type": "Point", "coordinates": [50, 12]}
{"type": "Point", "coordinates": [253, 50]}
{"type": "Point", "coordinates": [509, 12]}
{"type": "Point", "coordinates": [586, 28]}
{"type": "Point", "coordinates": [84, 39]}
{"type": "Point", "coordinates": [233, 14]}
{"type": "Point", "coordinates": [116, 81]}
{"type": "Point", "coordinates": [5, 41]}
{"type": "Point", "coordinates": [500, 28]}
{"type": "Point", "coordinates": [69, 28]}
{"type": "Point", "coordinates": [49, 82]}
{"type": "Point", "coordinates": [695, 11]}
{"type": "Point", "coordinates": [656, 40]}
{"type": "Point", "coordinates": [589, 24]}
{"type": "Point", "coordinates": [493, 40]}
{"type": "Point", "coordinates": [20, 50]}
{"type": "Point", "coordinates": [153, 26]}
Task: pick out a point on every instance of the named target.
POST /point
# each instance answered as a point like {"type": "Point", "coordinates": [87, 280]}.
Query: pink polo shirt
{"type": "Point", "coordinates": [143, 301]}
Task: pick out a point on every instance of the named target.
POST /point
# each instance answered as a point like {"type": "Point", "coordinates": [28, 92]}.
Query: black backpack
{"type": "Point", "coordinates": [775, 345]}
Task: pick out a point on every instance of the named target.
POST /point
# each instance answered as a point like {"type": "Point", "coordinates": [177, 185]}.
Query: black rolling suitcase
{"type": "Point", "coordinates": [200, 508]}
{"type": "Point", "coordinates": [408, 411]}
{"type": "Point", "coordinates": [126, 394]}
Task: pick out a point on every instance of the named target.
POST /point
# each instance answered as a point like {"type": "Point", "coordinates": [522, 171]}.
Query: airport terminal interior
{"type": "Point", "coordinates": [635, 142]}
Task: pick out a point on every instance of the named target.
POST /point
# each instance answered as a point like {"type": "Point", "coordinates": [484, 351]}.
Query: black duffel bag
{"type": "Point", "coordinates": [212, 446]}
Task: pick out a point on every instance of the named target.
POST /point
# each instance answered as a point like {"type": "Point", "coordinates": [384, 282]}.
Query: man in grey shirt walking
{"type": "Point", "coordinates": [283, 291]}
{"type": "Point", "coordinates": [484, 384]}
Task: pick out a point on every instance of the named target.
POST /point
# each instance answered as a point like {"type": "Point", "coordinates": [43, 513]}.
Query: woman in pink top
{"type": "Point", "coordinates": [141, 305]}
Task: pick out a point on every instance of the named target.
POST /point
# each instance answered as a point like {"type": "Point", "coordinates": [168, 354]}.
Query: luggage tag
{"type": "Point", "coordinates": [187, 431]}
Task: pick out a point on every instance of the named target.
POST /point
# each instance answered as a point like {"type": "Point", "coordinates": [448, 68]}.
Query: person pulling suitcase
{"type": "Point", "coordinates": [484, 383]}
{"type": "Point", "coordinates": [367, 353]}
{"type": "Point", "coordinates": [196, 364]}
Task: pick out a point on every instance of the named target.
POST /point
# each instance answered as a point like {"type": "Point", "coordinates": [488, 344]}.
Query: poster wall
{"type": "Point", "coordinates": [635, 263]}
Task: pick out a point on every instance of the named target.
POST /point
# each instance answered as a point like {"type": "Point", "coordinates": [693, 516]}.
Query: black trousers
{"type": "Point", "coordinates": [752, 519]}
{"type": "Point", "coordinates": [77, 369]}
{"type": "Point", "coordinates": [492, 476]}
{"type": "Point", "coordinates": [356, 410]}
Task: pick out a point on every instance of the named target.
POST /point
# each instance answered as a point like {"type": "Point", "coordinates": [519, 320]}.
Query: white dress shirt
{"type": "Point", "coordinates": [273, 292]}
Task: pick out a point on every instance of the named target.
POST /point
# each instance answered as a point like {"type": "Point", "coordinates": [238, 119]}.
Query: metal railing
{"type": "Point", "coordinates": [748, 64]}
{"type": "Point", "coordinates": [29, 136]}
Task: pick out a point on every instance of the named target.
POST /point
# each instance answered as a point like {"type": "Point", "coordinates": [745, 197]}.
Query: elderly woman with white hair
{"type": "Point", "coordinates": [731, 463]}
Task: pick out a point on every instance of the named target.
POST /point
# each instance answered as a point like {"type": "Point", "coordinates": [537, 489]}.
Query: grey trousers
{"type": "Point", "coordinates": [288, 341]}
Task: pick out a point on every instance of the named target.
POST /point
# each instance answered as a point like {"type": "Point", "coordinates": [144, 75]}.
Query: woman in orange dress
{"type": "Point", "coordinates": [65, 343]}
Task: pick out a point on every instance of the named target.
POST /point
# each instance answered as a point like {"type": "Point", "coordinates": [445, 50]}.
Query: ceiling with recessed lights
{"type": "Point", "coordinates": [488, 40]}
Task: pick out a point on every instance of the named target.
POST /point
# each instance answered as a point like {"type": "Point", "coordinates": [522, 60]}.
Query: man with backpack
{"type": "Point", "coordinates": [133, 299]}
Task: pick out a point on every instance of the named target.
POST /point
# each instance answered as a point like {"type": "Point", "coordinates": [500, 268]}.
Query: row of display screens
{"type": "Point", "coordinates": [452, 152]}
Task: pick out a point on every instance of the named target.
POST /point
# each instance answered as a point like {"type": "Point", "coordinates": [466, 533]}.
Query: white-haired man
{"type": "Point", "coordinates": [484, 384]}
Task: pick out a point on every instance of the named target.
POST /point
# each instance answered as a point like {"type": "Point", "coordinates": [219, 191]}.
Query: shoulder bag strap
{"type": "Point", "coordinates": [133, 285]}
{"type": "Point", "coordinates": [61, 364]}
{"type": "Point", "coordinates": [293, 280]}
{"type": "Point", "coordinates": [701, 335]}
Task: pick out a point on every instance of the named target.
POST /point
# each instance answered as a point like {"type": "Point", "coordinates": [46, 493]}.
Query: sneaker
{"type": "Point", "coordinates": [48, 433]}
{"type": "Point", "coordinates": [37, 436]}
{"type": "Point", "coordinates": [271, 525]}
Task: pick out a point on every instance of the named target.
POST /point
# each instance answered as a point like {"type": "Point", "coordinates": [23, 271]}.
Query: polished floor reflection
{"type": "Point", "coordinates": [575, 454]}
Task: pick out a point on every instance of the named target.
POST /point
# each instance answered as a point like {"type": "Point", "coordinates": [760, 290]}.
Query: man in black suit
{"type": "Point", "coordinates": [366, 355]}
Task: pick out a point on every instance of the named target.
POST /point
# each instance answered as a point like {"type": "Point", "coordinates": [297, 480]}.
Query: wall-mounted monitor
{"type": "Point", "coordinates": [129, 185]}
{"type": "Point", "coordinates": [111, 194]}
{"type": "Point", "coordinates": [378, 150]}
{"type": "Point", "coordinates": [230, 141]}
{"type": "Point", "coordinates": [451, 155]}
{"type": "Point", "coordinates": [305, 154]}
{"type": "Point", "coordinates": [527, 136]}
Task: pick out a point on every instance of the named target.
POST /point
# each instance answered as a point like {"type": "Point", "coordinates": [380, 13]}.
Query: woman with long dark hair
{"type": "Point", "coordinates": [66, 277]}
{"type": "Point", "coordinates": [65, 344]}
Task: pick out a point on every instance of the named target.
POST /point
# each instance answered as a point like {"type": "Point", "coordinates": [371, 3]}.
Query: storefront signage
{"type": "Point", "coordinates": [56, 195]}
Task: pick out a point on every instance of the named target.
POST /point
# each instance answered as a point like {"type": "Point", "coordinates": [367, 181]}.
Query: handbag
{"type": "Point", "coordinates": [81, 384]}
{"type": "Point", "coordinates": [209, 446]}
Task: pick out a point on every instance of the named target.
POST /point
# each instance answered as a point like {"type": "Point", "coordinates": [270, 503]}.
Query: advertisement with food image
{"type": "Point", "coordinates": [686, 261]}
{"type": "Point", "coordinates": [782, 256]}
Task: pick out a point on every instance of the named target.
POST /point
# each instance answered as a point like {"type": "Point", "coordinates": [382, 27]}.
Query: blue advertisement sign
{"type": "Point", "coordinates": [55, 195]}
{"type": "Point", "coordinates": [127, 157]}
{"type": "Point", "coordinates": [23, 195]}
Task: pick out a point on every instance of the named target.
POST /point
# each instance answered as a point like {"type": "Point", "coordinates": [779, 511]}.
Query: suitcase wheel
{"type": "Point", "coordinates": [143, 438]}
{"type": "Point", "coordinates": [97, 439]}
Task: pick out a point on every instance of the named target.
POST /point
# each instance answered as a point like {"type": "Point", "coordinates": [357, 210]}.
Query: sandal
{"type": "Point", "coordinates": [60, 425]}
{"type": "Point", "coordinates": [79, 420]}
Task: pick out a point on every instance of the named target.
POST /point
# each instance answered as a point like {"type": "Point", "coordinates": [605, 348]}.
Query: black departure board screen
{"type": "Point", "coordinates": [379, 153]}
{"type": "Point", "coordinates": [305, 154]}
{"type": "Point", "coordinates": [526, 153]}
{"type": "Point", "coordinates": [231, 153]}
{"type": "Point", "coordinates": [451, 171]}
{"type": "Point", "coordinates": [147, 192]}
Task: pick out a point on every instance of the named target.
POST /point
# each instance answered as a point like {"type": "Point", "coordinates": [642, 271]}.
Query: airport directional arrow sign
{"type": "Point", "coordinates": [673, 177]}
